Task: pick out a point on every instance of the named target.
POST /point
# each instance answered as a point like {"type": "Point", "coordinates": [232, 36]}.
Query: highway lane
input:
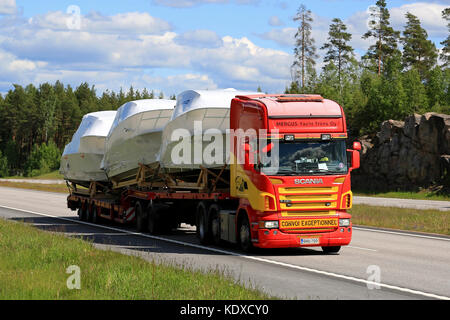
{"type": "Point", "coordinates": [410, 266]}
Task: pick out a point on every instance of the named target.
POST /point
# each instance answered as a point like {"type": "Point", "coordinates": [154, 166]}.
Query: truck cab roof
{"type": "Point", "coordinates": [298, 106]}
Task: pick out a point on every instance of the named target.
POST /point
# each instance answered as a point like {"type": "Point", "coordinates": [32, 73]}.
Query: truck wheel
{"type": "Point", "coordinates": [203, 230]}
{"type": "Point", "coordinates": [82, 214]}
{"type": "Point", "coordinates": [94, 215]}
{"type": "Point", "coordinates": [141, 221]}
{"type": "Point", "coordinates": [214, 216]}
{"type": "Point", "coordinates": [245, 236]}
{"type": "Point", "coordinates": [88, 212]}
{"type": "Point", "coordinates": [154, 218]}
{"type": "Point", "coordinates": [328, 250]}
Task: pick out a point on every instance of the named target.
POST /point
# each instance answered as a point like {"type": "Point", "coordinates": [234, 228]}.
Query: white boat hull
{"type": "Point", "coordinates": [136, 140]}
{"type": "Point", "coordinates": [203, 127]}
{"type": "Point", "coordinates": [82, 167]}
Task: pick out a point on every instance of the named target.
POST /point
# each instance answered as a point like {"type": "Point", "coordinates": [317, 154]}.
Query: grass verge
{"type": "Point", "coordinates": [60, 188]}
{"type": "Point", "coordinates": [54, 175]}
{"type": "Point", "coordinates": [430, 221]}
{"type": "Point", "coordinates": [404, 195]}
{"type": "Point", "coordinates": [33, 265]}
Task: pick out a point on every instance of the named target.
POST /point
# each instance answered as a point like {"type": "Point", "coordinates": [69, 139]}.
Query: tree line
{"type": "Point", "coordinates": [37, 122]}
{"type": "Point", "coordinates": [398, 75]}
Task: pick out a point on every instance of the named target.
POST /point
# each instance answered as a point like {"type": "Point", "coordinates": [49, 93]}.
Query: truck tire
{"type": "Point", "coordinates": [81, 214]}
{"type": "Point", "coordinates": [88, 212]}
{"type": "Point", "coordinates": [141, 219]}
{"type": "Point", "coordinates": [94, 214]}
{"type": "Point", "coordinates": [245, 235]}
{"type": "Point", "coordinates": [203, 230]}
{"type": "Point", "coordinates": [156, 223]}
{"type": "Point", "coordinates": [329, 250]}
{"type": "Point", "coordinates": [214, 217]}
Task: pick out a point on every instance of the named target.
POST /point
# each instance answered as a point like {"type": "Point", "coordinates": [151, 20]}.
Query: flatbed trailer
{"type": "Point", "coordinates": [244, 203]}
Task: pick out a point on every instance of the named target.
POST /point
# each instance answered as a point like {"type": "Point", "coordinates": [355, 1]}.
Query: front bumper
{"type": "Point", "coordinates": [274, 238]}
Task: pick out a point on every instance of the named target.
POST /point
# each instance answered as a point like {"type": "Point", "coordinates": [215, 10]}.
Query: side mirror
{"type": "Point", "coordinates": [357, 146]}
{"type": "Point", "coordinates": [355, 159]}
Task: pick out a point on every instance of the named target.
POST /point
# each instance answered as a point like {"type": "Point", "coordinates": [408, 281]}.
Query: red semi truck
{"type": "Point", "coordinates": [296, 197]}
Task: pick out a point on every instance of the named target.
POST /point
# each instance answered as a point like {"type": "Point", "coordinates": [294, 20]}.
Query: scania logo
{"type": "Point", "coordinates": [308, 181]}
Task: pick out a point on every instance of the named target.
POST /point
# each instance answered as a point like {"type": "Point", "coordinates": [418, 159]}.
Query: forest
{"type": "Point", "coordinates": [401, 73]}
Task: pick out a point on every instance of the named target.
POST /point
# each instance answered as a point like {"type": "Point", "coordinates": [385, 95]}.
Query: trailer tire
{"type": "Point", "coordinates": [141, 220]}
{"type": "Point", "coordinates": [81, 214]}
{"type": "Point", "coordinates": [245, 235]}
{"type": "Point", "coordinates": [202, 225]}
{"type": "Point", "coordinates": [94, 215]}
{"type": "Point", "coordinates": [214, 217]}
{"type": "Point", "coordinates": [154, 219]}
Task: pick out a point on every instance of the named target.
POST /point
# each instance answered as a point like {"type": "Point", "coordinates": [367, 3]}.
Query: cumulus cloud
{"type": "Point", "coordinates": [186, 3]}
{"type": "Point", "coordinates": [199, 38]}
{"type": "Point", "coordinates": [8, 7]}
{"type": "Point", "coordinates": [120, 50]}
{"type": "Point", "coordinates": [275, 21]}
{"type": "Point", "coordinates": [122, 23]}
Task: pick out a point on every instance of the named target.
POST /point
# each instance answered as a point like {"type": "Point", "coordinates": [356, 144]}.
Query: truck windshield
{"type": "Point", "coordinates": [307, 158]}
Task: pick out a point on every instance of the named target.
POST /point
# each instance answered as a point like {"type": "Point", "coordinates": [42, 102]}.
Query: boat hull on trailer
{"type": "Point", "coordinates": [201, 120]}
{"type": "Point", "coordinates": [80, 162]}
{"type": "Point", "coordinates": [135, 138]}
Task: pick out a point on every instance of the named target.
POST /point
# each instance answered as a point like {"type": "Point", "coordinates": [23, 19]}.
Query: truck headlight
{"type": "Point", "coordinates": [344, 222]}
{"type": "Point", "coordinates": [268, 224]}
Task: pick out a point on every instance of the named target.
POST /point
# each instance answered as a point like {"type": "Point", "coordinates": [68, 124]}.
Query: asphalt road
{"type": "Point", "coordinates": [378, 264]}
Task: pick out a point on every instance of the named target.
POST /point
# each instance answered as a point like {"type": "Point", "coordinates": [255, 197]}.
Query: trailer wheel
{"type": "Point", "coordinates": [214, 216]}
{"type": "Point", "coordinates": [329, 250]}
{"type": "Point", "coordinates": [203, 230]}
{"type": "Point", "coordinates": [81, 214]}
{"type": "Point", "coordinates": [141, 221]}
{"type": "Point", "coordinates": [94, 215]}
{"type": "Point", "coordinates": [245, 236]}
{"type": "Point", "coordinates": [153, 219]}
{"type": "Point", "coordinates": [88, 212]}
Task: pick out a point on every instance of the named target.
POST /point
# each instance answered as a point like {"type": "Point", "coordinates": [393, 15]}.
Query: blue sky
{"type": "Point", "coordinates": [173, 45]}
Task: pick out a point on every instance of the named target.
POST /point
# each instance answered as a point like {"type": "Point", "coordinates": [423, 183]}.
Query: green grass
{"type": "Point", "coordinates": [33, 266]}
{"type": "Point", "coordinates": [59, 188]}
{"type": "Point", "coordinates": [54, 175]}
{"type": "Point", "coordinates": [424, 195]}
{"type": "Point", "coordinates": [430, 221]}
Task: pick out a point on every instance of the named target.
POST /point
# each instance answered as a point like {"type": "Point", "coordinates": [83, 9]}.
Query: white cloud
{"type": "Point", "coordinates": [123, 23]}
{"type": "Point", "coordinates": [120, 50]}
{"type": "Point", "coordinates": [275, 21]}
{"type": "Point", "coordinates": [429, 14]}
{"type": "Point", "coordinates": [199, 38]}
{"type": "Point", "coordinates": [8, 7]}
{"type": "Point", "coordinates": [186, 3]}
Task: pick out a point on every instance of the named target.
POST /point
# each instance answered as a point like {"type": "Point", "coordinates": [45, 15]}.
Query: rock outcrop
{"type": "Point", "coordinates": [406, 155]}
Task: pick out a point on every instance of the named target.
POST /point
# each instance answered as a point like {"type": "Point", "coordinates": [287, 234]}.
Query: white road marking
{"type": "Point", "coordinates": [360, 248]}
{"type": "Point", "coordinates": [287, 265]}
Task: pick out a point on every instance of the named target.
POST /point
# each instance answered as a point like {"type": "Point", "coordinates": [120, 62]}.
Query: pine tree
{"type": "Point", "coordinates": [385, 36]}
{"type": "Point", "coordinates": [304, 51]}
{"type": "Point", "coordinates": [339, 52]}
{"type": "Point", "coordinates": [418, 52]}
{"type": "Point", "coordinates": [445, 55]}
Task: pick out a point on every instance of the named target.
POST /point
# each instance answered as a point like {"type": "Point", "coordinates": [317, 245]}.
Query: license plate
{"type": "Point", "coordinates": [309, 241]}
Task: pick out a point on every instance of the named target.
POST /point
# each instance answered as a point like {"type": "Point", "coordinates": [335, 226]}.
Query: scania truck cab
{"type": "Point", "coordinates": [293, 184]}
